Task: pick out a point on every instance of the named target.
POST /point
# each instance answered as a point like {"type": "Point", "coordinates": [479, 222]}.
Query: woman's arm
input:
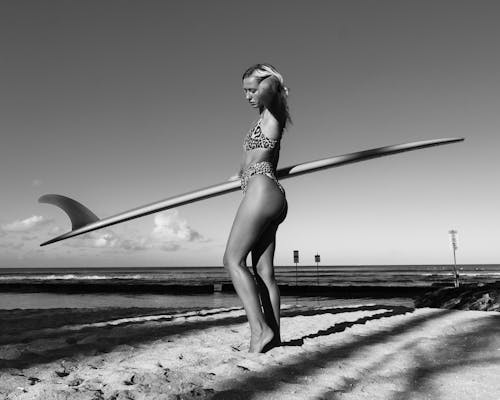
{"type": "Point", "coordinates": [268, 90]}
{"type": "Point", "coordinates": [271, 98]}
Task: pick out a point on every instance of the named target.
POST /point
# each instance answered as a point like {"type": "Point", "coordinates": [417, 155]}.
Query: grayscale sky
{"type": "Point", "coordinates": [122, 103]}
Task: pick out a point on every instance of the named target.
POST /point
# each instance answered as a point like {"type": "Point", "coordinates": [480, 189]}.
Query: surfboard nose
{"type": "Point", "coordinates": [77, 212]}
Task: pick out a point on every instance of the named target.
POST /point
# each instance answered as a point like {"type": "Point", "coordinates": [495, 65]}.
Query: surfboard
{"type": "Point", "coordinates": [83, 220]}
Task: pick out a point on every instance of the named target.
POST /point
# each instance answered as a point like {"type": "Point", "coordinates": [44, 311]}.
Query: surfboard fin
{"type": "Point", "coordinates": [77, 212]}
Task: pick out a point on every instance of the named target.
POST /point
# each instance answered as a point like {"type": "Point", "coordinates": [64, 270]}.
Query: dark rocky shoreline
{"type": "Point", "coordinates": [479, 297]}
{"type": "Point", "coordinates": [151, 287]}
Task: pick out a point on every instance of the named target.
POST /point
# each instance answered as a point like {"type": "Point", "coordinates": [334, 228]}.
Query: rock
{"type": "Point", "coordinates": [71, 340]}
{"type": "Point", "coordinates": [130, 381]}
{"type": "Point", "coordinates": [484, 303]}
{"type": "Point", "coordinates": [9, 353]}
{"type": "Point", "coordinates": [61, 373]}
{"type": "Point", "coordinates": [33, 380]}
{"type": "Point", "coordinates": [75, 382]}
{"type": "Point", "coordinates": [469, 297]}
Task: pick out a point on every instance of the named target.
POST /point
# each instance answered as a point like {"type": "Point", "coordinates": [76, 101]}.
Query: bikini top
{"type": "Point", "coordinates": [255, 139]}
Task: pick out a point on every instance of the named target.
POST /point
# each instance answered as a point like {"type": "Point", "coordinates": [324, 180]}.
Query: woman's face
{"type": "Point", "coordinates": [250, 89]}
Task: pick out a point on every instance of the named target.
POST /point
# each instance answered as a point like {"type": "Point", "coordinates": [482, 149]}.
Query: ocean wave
{"type": "Point", "coordinates": [69, 277]}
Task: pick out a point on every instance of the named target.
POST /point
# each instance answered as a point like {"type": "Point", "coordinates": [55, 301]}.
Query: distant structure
{"type": "Point", "coordinates": [317, 260]}
{"type": "Point", "coordinates": [296, 261]}
{"type": "Point", "coordinates": [454, 244]}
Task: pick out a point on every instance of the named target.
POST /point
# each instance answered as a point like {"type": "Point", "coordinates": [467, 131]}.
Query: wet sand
{"type": "Point", "coordinates": [375, 351]}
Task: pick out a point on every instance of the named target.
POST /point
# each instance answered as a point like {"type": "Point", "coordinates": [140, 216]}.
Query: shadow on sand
{"type": "Point", "coordinates": [92, 340]}
{"type": "Point", "coordinates": [454, 351]}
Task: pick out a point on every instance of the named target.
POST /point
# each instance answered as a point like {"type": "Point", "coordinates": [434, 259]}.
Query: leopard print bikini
{"type": "Point", "coordinates": [255, 139]}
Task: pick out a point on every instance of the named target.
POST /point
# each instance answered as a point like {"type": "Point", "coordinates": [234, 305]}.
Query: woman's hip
{"type": "Point", "coordinates": [260, 169]}
{"type": "Point", "coordinates": [265, 197]}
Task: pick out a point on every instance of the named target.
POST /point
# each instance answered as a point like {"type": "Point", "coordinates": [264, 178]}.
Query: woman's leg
{"type": "Point", "coordinates": [263, 266]}
{"type": "Point", "coordinates": [257, 209]}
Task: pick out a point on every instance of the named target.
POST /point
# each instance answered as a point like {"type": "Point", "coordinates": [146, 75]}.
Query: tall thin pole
{"type": "Point", "coordinates": [296, 261]}
{"type": "Point", "coordinates": [454, 245]}
{"type": "Point", "coordinates": [296, 271]}
{"type": "Point", "coordinates": [317, 274]}
{"type": "Point", "coordinates": [457, 283]}
{"type": "Point", "coordinates": [317, 258]}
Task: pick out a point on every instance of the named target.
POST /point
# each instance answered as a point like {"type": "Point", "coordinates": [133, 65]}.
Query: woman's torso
{"type": "Point", "coordinates": [262, 142]}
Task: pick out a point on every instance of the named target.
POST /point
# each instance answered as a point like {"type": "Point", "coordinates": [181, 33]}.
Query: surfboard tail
{"type": "Point", "coordinates": [83, 220]}
{"type": "Point", "coordinates": [79, 215]}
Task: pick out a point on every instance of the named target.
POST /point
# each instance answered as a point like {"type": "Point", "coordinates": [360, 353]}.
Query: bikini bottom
{"type": "Point", "coordinates": [259, 168]}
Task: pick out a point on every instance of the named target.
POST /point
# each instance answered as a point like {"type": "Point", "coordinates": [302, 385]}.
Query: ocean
{"type": "Point", "coordinates": [192, 287]}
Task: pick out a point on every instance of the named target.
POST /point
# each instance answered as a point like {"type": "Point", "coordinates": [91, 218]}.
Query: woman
{"type": "Point", "coordinates": [262, 209]}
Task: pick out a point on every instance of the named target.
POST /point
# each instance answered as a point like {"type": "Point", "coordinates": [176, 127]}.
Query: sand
{"type": "Point", "coordinates": [364, 351]}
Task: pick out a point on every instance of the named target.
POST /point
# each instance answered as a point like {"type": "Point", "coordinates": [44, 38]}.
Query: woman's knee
{"type": "Point", "coordinates": [232, 261]}
{"type": "Point", "coordinates": [225, 260]}
{"type": "Point", "coordinates": [266, 273]}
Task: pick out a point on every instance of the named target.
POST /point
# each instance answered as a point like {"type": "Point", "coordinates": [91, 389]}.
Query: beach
{"type": "Point", "coordinates": [134, 129]}
{"type": "Point", "coordinates": [368, 350]}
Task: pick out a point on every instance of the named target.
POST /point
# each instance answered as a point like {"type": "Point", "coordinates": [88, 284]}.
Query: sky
{"type": "Point", "coordinates": [121, 103]}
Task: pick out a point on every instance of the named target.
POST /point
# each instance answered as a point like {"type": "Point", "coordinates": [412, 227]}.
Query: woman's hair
{"type": "Point", "coordinates": [263, 71]}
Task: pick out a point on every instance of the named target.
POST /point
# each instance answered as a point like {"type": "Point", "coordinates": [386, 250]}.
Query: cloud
{"type": "Point", "coordinates": [36, 183]}
{"type": "Point", "coordinates": [140, 244]}
{"type": "Point", "coordinates": [169, 231]}
{"type": "Point", "coordinates": [102, 239]}
{"type": "Point", "coordinates": [29, 237]}
{"type": "Point", "coordinates": [27, 225]}
{"type": "Point", "coordinates": [108, 240]}
{"type": "Point", "coordinates": [21, 231]}
{"type": "Point", "coordinates": [11, 245]}
{"type": "Point", "coordinates": [54, 230]}
{"type": "Point", "coordinates": [169, 246]}
{"type": "Point", "coordinates": [170, 226]}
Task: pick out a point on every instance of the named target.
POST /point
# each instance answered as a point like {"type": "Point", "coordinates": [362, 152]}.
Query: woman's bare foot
{"type": "Point", "coordinates": [259, 342]}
